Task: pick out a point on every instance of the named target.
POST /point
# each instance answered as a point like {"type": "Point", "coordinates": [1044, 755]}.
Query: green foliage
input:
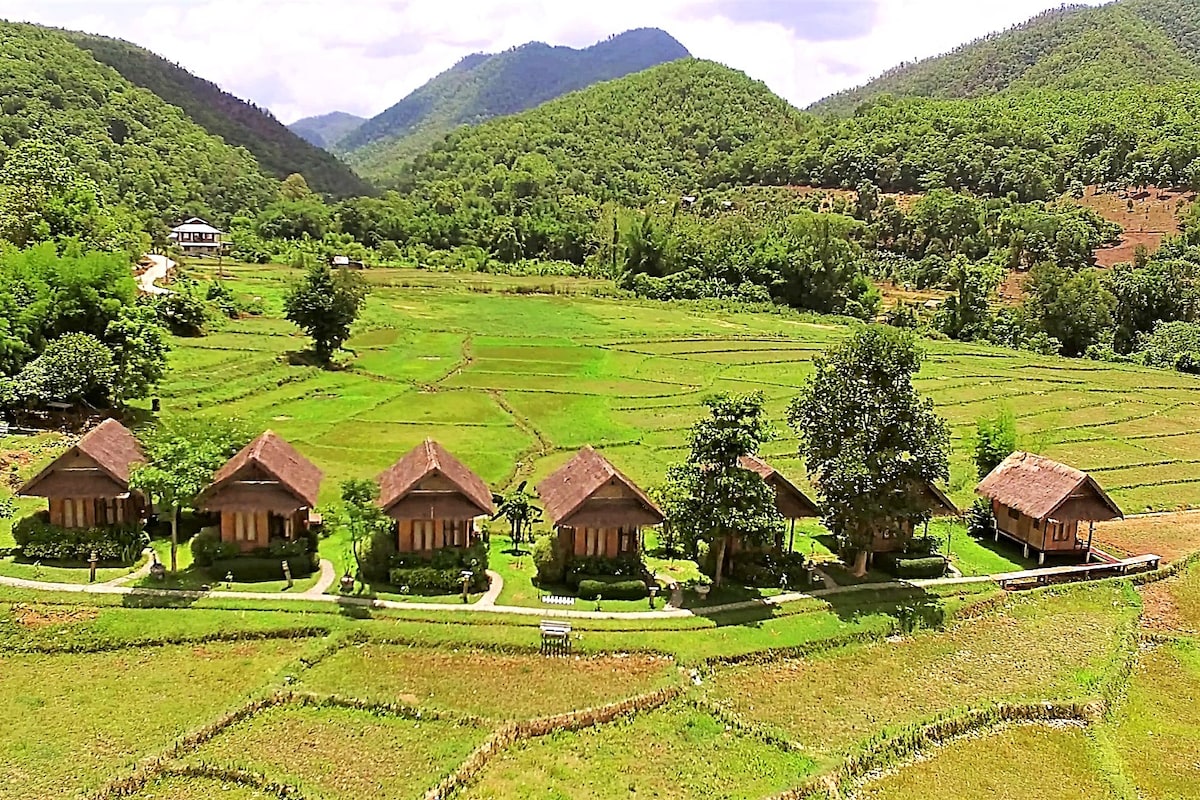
{"type": "Point", "coordinates": [254, 569]}
{"type": "Point", "coordinates": [325, 304]}
{"type": "Point", "coordinates": [716, 498]}
{"type": "Point", "coordinates": [981, 524]}
{"type": "Point", "coordinates": [278, 150]}
{"type": "Point", "coordinates": [901, 566]}
{"type": "Point", "coordinates": [474, 558]}
{"type": "Point", "coordinates": [549, 560]}
{"type": "Point", "coordinates": [37, 539]}
{"type": "Point", "coordinates": [1165, 290]}
{"type": "Point", "coordinates": [593, 589]}
{"type": "Point", "coordinates": [74, 368]}
{"type": "Point", "coordinates": [360, 514]}
{"type": "Point", "coordinates": [870, 442]}
{"type": "Point", "coordinates": [1073, 308]}
{"type": "Point", "coordinates": [1173, 345]}
{"type": "Point", "coordinates": [138, 151]}
{"type": "Point", "coordinates": [139, 350]}
{"type": "Point", "coordinates": [326, 130]}
{"type": "Point", "coordinates": [207, 548]}
{"type": "Point", "coordinates": [518, 509]}
{"type": "Point", "coordinates": [995, 440]}
{"type": "Point", "coordinates": [421, 580]}
{"type": "Point", "coordinates": [602, 567]}
{"type": "Point", "coordinates": [482, 86]}
{"type": "Point", "coordinates": [182, 454]}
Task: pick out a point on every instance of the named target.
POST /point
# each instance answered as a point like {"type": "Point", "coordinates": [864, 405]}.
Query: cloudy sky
{"type": "Point", "coordinates": [303, 57]}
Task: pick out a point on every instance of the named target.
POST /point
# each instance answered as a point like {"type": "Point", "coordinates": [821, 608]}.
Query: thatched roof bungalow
{"type": "Point", "coordinates": [264, 492]}
{"type": "Point", "coordinates": [88, 486]}
{"type": "Point", "coordinates": [1039, 503]}
{"type": "Point", "coordinates": [434, 499]}
{"type": "Point", "coordinates": [596, 509]}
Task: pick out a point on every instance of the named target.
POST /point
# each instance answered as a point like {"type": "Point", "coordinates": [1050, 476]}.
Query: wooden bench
{"type": "Point", "coordinates": [556, 638]}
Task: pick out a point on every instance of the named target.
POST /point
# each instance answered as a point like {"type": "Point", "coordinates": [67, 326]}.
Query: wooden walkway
{"type": "Point", "coordinates": [1032, 578]}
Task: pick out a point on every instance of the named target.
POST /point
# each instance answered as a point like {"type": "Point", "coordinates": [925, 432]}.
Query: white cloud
{"type": "Point", "coordinates": [301, 57]}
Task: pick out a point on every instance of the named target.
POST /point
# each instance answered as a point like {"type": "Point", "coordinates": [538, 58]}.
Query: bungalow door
{"type": "Point", "coordinates": [424, 535]}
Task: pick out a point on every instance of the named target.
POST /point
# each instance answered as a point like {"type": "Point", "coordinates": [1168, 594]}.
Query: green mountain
{"type": "Point", "coordinates": [484, 86]}
{"type": "Point", "coordinates": [324, 131]}
{"type": "Point", "coordinates": [671, 128]}
{"type": "Point", "coordinates": [1124, 44]}
{"type": "Point", "coordinates": [278, 150]}
{"type": "Point", "coordinates": [138, 150]}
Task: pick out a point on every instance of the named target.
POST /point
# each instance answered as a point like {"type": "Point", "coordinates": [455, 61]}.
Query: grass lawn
{"type": "Point", "coordinates": [1016, 763]}
{"type": "Point", "coordinates": [12, 568]}
{"type": "Point", "coordinates": [676, 752]}
{"type": "Point", "coordinates": [499, 686]}
{"type": "Point", "coordinates": [1046, 646]}
{"type": "Point", "coordinates": [180, 788]}
{"type": "Point", "coordinates": [1158, 735]}
{"type": "Point", "coordinates": [78, 720]}
{"type": "Point", "coordinates": [518, 572]}
{"type": "Point", "coordinates": [190, 576]}
{"type": "Point", "coordinates": [335, 752]}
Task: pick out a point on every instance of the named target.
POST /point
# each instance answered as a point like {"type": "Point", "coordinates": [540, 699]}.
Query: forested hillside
{"type": "Point", "coordinates": [1124, 44]}
{"type": "Point", "coordinates": [481, 87]}
{"type": "Point", "coordinates": [278, 150]}
{"type": "Point", "coordinates": [327, 129]}
{"type": "Point", "coordinates": [67, 120]}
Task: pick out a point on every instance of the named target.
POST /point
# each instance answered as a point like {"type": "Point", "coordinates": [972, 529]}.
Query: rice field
{"type": "Point", "coordinates": [513, 382]}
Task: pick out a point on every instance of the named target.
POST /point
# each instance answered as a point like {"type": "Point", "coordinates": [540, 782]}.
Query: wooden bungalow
{"type": "Point", "coordinates": [434, 500]}
{"type": "Point", "coordinates": [265, 492]}
{"type": "Point", "coordinates": [596, 510]}
{"type": "Point", "coordinates": [793, 504]}
{"type": "Point", "coordinates": [939, 505]}
{"type": "Point", "coordinates": [88, 486]}
{"type": "Point", "coordinates": [1039, 504]}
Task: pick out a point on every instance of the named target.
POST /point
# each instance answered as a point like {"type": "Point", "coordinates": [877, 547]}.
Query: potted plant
{"type": "Point", "coordinates": [702, 586]}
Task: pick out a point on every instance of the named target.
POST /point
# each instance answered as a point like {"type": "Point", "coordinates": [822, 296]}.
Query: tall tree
{"type": "Point", "coordinates": [139, 353]}
{"type": "Point", "coordinates": [181, 456]}
{"type": "Point", "coordinates": [870, 441]}
{"type": "Point", "coordinates": [325, 304]}
{"type": "Point", "coordinates": [715, 499]}
{"type": "Point", "coordinates": [995, 440]}
{"type": "Point", "coordinates": [363, 516]}
{"type": "Point", "coordinates": [517, 507]}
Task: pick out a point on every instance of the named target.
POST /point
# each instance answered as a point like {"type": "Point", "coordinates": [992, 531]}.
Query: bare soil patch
{"type": "Point", "coordinates": [48, 616]}
{"type": "Point", "coordinates": [1153, 215]}
{"type": "Point", "coordinates": [1171, 536]}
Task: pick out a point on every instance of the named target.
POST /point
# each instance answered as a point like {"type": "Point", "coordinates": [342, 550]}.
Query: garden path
{"type": "Point", "coordinates": [328, 576]}
{"type": "Point", "coordinates": [139, 573]}
{"type": "Point", "coordinates": [495, 587]}
{"type": "Point", "coordinates": [159, 266]}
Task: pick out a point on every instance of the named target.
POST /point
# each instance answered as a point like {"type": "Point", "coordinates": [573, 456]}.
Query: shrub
{"type": "Point", "coordinates": [474, 558]}
{"type": "Point", "coordinates": [906, 567]}
{"type": "Point", "coordinates": [548, 558]}
{"type": "Point", "coordinates": [768, 568]}
{"type": "Point", "coordinates": [37, 539]}
{"type": "Point", "coordinates": [592, 588]}
{"type": "Point", "coordinates": [629, 566]}
{"type": "Point", "coordinates": [980, 522]}
{"type": "Point", "coordinates": [251, 569]}
{"type": "Point", "coordinates": [436, 581]}
{"type": "Point", "coordinates": [377, 554]}
{"type": "Point", "coordinates": [208, 548]}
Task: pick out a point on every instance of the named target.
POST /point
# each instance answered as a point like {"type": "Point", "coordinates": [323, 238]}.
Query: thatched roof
{"type": "Point", "coordinates": [400, 490]}
{"type": "Point", "coordinates": [566, 495]}
{"type": "Point", "coordinates": [940, 502]}
{"type": "Point", "coordinates": [272, 456]}
{"type": "Point", "coordinates": [1044, 489]}
{"type": "Point", "coordinates": [790, 500]}
{"type": "Point", "coordinates": [99, 465]}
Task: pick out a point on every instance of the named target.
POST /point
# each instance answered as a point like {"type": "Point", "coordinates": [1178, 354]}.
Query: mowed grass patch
{"type": "Point", "coordinates": [78, 720]}
{"type": "Point", "coordinates": [1016, 763]}
{"type": "Point", "coordinates": [341, 753]}
{"type": "Point", "coordinates": [678, 752]}
{"type": "Point", "coordinates": [1049, 646]}
{"type": "Point", "coordinates": [1158, 729]}
{"type": "Point", "coordinates": [485, 683]}
{"type": "Point", "coordinates": [1171, 536]}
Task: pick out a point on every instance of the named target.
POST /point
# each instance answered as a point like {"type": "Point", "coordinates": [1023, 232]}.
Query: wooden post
{"type": "Point", "coordinates": [1091, 533]}
{"type": "Point", "coordinates": [792, 536]}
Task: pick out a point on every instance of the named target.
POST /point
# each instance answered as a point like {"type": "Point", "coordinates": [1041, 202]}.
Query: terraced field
{"type": "Point", "coordinates": [514, 382]}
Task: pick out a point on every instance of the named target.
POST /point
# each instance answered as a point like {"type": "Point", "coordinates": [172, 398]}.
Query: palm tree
{"type": "Point", "coordinates": [517, 507]}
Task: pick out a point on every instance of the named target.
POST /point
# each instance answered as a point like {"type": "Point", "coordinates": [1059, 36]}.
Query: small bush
{"type": "Point", "coordinates": [252, 569]}
{"type": "Point", "coordinates": [474, 558]}
{"type": "Point", "coordinates": [429, 580]}
{"type": "Point", "coordinates": [905, 567]}
{"type": "Point", "coordinates": [591, 589]}
{"type": "Point", "coordinates": [548, 558]}
{"type": "Point", "coordinates": [589, 567]}
{"type": "Point", "coordinates": [768, 568]}
{"type": "Point", "coordinates": [980, 522]}
{"type": "Point", "coordinates": [37, 539]}
{"type": "Point", "coordinates": [207, 548]}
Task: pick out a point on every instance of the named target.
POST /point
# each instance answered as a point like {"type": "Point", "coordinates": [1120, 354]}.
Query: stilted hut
{"type": "Point", "coordinates": [264, 492]}
{"type": "Point", "coordinates": [793, 504]}
{"type": "Point", "coordinates": [939, 505]}
{"type": "Point", "coordinates": [596, 510]}
{"type": "Point", "coordinates": [88, 486]}
{"type": "Point", "coordinates": [1039, 504]}
{"type": "Point", "coordinates": [434, 500]}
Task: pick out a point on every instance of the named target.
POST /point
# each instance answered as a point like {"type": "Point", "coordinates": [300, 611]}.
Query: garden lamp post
{"type": "Point", "coordinates": [93, 560]}
{"type": "Point", "coordinates": [466, 584]}
{"type": "Point", "coordinates": [653, 592]}
{"type": "Point", "coordinates": [287, 573]}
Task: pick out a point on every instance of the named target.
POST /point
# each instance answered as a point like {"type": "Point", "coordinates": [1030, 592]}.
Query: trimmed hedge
{"type": "Point", "coordinates": [37, 539]}
{"type": "Point", "coordinates": [908, 567]}
{"type": "Point", "coordinates": [423, 580]}
{"type": "Point", "coordinates": [208, 549]}
{"type": "Point", "coordinates": [629, 567]}
{"type": "Point", "coordinates": [252, 569]}
{"type": "Point", "coordinates": [591, 588]}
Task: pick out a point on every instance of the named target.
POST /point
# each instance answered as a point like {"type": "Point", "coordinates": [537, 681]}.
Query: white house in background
{"type": "Point", "coordinates": [197, 238]}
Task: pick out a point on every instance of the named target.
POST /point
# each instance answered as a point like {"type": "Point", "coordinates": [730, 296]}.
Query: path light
{"type": "Point", "coordinates": [93, 560]}
{"type": "Point", "coordinates": [229, 579]}
{"type": "Point", "coordinates": [653, 592]}
{"type": "Point", "coordinates": [466, 582]}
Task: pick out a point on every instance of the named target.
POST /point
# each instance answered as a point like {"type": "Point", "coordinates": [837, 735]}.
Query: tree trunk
{"type": "Point", "coordinates": [860, 563]}
{"type": "Point", "coordinates": [174, 536]}
{"type": "Point", "coordinates": [720, 562]}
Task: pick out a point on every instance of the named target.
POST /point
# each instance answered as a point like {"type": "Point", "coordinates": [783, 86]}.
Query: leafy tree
{"type": "Point", "coordinates": [518, 509]}
{"type": "Point", "coordinates": [294, 187]}
{"type": "Point", "coordinates": [995, 440]}
{"type": "Point", "coordinates": [1073, 308]}
{"type": "Point", "coordinates": [714, 498]}
{"type": "Point", "coordinates": [325, 304]}
{"type": "Point", "coordinates": [139, 353]}
{"type": "Point", "coordinates": [870, 441]}
{"type": "Point", "coordinates": [1173, 345]}
{"type": "Point", "coordinates": [363, 517]}
{"type": "Point", "coordinates": [965, 314]}
{"type": "Point", "coordinates": [1165, 290]}
{"type": "Point", "coordinates": [74, 368]}
{"type": "Point", "coordinates": [181, 456]}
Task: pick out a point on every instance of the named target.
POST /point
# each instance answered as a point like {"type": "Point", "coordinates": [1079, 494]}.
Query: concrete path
{"type": "Point", "coordinates": [830, 583]}
{"type": "Point", "coordinates": [324, 582]}
{"type": "Point", "coordinates": [138, 574]}
{"type": "Point", "coordinates": [158, 269]}
{"type": "Point", "coordinates": [495, 587]}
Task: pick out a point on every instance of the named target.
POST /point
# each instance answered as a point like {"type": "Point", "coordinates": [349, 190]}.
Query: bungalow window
{"type": "Point", "coordinates": [245, 527]}
{"type": "Point", "coordinates": [593, 541]}
{"type": "Point", "coordinates": [454, 533]}
{"type": "Point", "coordinates": [111, 513]}
{"type": "Point", "coordinates": [627, 540]}
{"type": "Point", "coordinates": [69, 513]}
{"type": "Point", "coordinates": [1061, 534]}
{"type": "Point", "coordinates": [1014, 514]}
{"type": "Point", "coordinates": [423, 535]}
